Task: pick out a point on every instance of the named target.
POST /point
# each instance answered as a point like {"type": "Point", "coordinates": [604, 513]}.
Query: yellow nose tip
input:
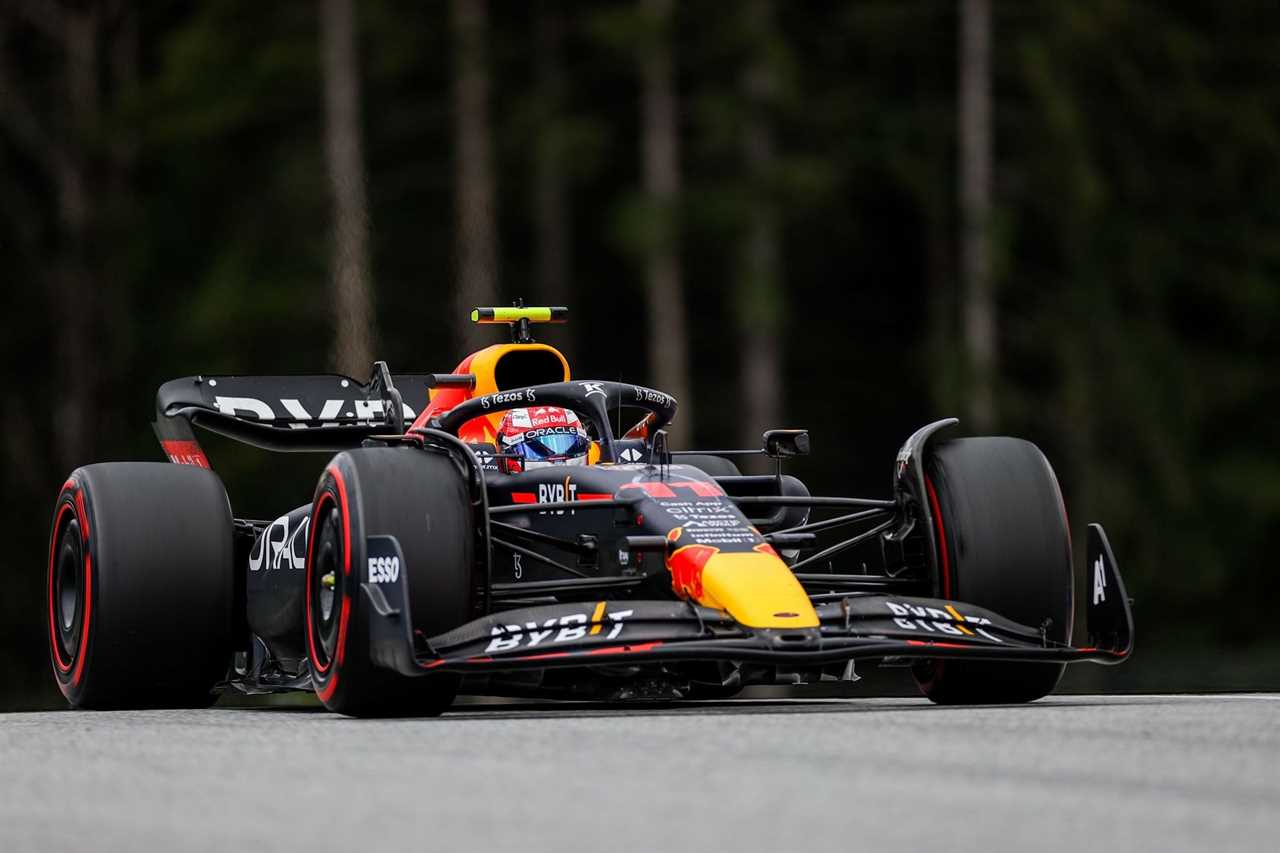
{"type": "Point", "coordinates": [758, 590]}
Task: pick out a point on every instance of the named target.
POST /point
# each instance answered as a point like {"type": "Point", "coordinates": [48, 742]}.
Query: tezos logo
{"type": "Point", "coordinates": [647, 395]}
{"type": "Point", "coordinates": [384, 569]}
{"type": "Point", "coordinates": [524, 395]}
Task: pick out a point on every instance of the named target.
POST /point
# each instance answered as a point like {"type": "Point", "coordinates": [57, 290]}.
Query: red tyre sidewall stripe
{"type": "Point", "coordinates": [326, 690]}
{"type": "Point", "coordinates": [315, 528]}
{"type": "Point", "coordinates": [75, 666]}
{"type": "Point", "coordinates": [63, 508]}
{"type": "Point", "coordinates": [943, 553]}
{"type": "Point", "coordinates": [942, 538]}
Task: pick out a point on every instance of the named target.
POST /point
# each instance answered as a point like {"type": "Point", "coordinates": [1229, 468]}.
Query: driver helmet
{"type": "Point", "coordinates": [540, 436]}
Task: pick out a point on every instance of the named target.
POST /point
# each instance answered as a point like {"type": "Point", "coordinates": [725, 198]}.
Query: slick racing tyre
{"type": "Point", "coordinates": [1003, 544]}
{"type": "Point", "coordinates": [421, 499]}
{"type": "Point", "coordinates": [139, 587]}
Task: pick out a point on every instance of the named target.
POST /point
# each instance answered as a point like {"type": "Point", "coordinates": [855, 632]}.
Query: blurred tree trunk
{"type": "Point", "coordinates": [760, 303]}
{"type": "Point", "coordinates": [664, 290]}
{"type": "Point", "coordinates": [77, 293]}
{"type": "Point", "coordinates": [352, 296]}
{"type": "Point", "coordinates": [550, 202]}
{"type": "Point", "coordinates": [977, 288]}
{"type": "Point", "coordinates": [92, 68]}
{"type": "Point", "coordinates": [477, 238]}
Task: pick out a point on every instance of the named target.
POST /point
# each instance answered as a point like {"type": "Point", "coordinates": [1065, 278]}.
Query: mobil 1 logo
{"type": "Point", "coordinates": [384, 564]}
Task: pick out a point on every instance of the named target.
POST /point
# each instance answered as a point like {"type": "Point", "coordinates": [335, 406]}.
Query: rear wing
{"type": "Point", "coordinates": [286, 413]}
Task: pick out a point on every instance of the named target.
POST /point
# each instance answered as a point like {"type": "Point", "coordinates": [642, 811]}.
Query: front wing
{"type": "Point", "coordinates": [626, 631]}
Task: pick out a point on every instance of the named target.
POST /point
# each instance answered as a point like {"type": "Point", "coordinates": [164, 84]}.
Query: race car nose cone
{"type": "Point", "coordinates": [758, 590]}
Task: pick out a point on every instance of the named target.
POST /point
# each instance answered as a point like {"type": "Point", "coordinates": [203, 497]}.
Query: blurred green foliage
{"type": "Point", "coordinates": [1136, 248]}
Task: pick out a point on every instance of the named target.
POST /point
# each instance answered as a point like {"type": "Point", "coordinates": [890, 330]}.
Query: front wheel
{"type": "Point", "coordinates": [1003, 543]}
{"type": "Point", "coordinates": [421, 499]}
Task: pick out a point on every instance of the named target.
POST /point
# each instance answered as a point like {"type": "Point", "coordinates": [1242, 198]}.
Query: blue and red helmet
{"type": "Point", "coordinates": [539, 436]}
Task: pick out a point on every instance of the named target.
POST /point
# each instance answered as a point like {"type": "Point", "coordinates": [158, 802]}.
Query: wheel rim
{"type": "Point", "coordinates": [328, 587]}
{"type": "Point", "coordinates": [68, 591]}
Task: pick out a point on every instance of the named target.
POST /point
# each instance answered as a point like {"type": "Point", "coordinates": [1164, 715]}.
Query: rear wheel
{"type": "Point", "coordinates": [139, 586]}
{"type": "Point", "coordinates": [420, 499]}
{"type": "Point", "coordinates": [1003, 544]}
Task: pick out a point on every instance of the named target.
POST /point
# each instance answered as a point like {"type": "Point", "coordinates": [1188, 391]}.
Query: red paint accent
{"type": "Point", "coordinates": [652, 489]}
{"type": "Point", "coordinates": [939, 645]}
{"type": "Point", "coordinates": [594, 496]}
{"type": "Point", "coordinates": [766, 548]}
{"type": "Point", "coordinates": [543, 656]}
{"type": "Point", "coordinates": [686, 565]}
{"type": "Point", "coordinates": [607, 650]}
{"type": "Point", "coordinates": [185, 453]}
{"type": "Point", "coordinates": [445, 399]}
{"type": "Point", "coordinates": [619, 650]}
{"type": "Point", "coordinates": [701, 489]}
{"type": "Point", "coordinates": [476, 431]}
{"type": "Point", "coordinates": [641, 429]}
{"type": "Point", "coordinates": [524, 498]}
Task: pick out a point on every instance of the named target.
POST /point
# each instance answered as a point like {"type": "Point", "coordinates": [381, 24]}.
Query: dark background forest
{"type": "Point", "coordinates": [1056, 220]}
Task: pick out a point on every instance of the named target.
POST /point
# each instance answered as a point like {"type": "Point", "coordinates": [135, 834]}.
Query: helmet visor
{"type": "Point", "coordinates": [554, 446]}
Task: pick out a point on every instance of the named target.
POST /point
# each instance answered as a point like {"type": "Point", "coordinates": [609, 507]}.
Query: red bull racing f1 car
{"type": "Point", "coordinates": [430, 561]}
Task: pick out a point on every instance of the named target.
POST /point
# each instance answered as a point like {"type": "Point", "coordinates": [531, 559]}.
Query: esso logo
{"type": "Point", "coordinates": [384, 569]}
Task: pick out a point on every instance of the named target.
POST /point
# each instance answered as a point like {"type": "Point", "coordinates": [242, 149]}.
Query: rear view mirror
{"type": "Point", "coordinates": [781, 443]}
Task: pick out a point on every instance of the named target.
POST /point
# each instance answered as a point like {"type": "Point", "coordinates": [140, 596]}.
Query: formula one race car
{"type": "Point", "coordinates": [434, 559]}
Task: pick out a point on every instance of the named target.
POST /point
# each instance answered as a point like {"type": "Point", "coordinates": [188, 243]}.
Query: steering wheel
{"type": "Point", "coordinates": [591, 399]}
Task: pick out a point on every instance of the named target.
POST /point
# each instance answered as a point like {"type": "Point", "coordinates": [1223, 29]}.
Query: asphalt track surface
{"type": "Point", "coordinates": [1159, 773]}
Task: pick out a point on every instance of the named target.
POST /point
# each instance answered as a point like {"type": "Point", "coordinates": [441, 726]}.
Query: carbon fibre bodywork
{"type": "Point", "coordinates": [857, 626]}
{"type": "Point", "coordinates": [638, 565]}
